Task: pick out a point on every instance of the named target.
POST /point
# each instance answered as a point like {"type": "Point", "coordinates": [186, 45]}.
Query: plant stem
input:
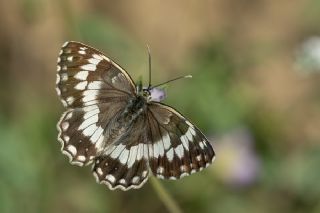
{"type": "Point", "coordinates": [164, 196]}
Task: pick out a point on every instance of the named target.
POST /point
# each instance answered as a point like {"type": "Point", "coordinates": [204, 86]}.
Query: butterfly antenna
{"type": "Point", "coordinates": [149, 56]}
{"type": "Point", "coordinates": [181, 77]}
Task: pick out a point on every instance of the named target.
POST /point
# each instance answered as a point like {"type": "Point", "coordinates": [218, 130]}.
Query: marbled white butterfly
{"type": "Point", "coordinates": [117, 125]}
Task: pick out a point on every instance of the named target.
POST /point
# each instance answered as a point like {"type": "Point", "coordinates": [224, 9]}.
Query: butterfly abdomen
{"type": "Point", "coordinates": [125, 120]}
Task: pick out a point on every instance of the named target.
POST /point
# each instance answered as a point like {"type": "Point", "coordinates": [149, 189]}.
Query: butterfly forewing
{"type": "Point", "coordinates": [86, 76]}
{"type": "Point", "coordinates": [179, 148]}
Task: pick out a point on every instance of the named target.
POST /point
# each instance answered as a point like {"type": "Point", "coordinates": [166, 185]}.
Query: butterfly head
{"type": "Point", "coordinates": [151, 94]}
{"type": "Point", "coordinates": [147, 94]}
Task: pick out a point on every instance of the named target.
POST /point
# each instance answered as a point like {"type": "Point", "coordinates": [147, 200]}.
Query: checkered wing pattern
{"type": "Point", "coordinates": [122, 133]}
{"type": "Point", "coordinates": [124, 165]}
{"type": "Point", "coordinates": [94, 90]}
{"type": "Point", "coordinates": [178, 147]}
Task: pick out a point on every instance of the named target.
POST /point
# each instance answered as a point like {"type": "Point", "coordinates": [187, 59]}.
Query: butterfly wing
{"type": "Point", "coordinates": [124, 165]}
{"type": "Point", "coordinates": [95, 90]}
{"type": "Point", "coordinates": [178, 147]}
{"type": "Point", "coordinates": [86, 76]}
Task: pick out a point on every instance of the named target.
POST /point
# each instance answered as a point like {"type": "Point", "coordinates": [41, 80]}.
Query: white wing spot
{"type": "Point", "coordinates": [82, 52]}
{"type": "Point", "coordinates": [111, 178]}
{"type": "Point", "coordinates": [70, 100]}
{"type": "Point", "coordinates": [58, 79]}
{"type": "Point", "coordinates": [89, 121]}
{"type": "Point", "coordinates": [89, 95]}
{"type": "Point", "coordinates": [58, 91]}
{"type": "Point", "coordinates": [82, 75]}
{"type": "Point", "coordinates": [160, 170]}
{"type": "Point", "coordinates": [64, 76]}
{"type": "Point", "coordinates": [159, 146]}
{"type": "Point", "coordinates": [150, 147]}
{"type": "Point", "coordinates": [81, 158]}
{"type": "Point", "coordinates": [96, 56]}
{"type": "Point", "coordinates": [189, 135]}
{"type": "Point", "coordinates": [95, 85]}
{"type": "Point", "coordinates": [144, 173]}
{"type": "Point", "coordinates": [96, 176]}
{"type": "Point", "coordinates": [201, 145]}
{"type": "Point", "coordinates": [170, 154]}
{"type": "Point", "coordinates": [117, 151]}
{"type": "Point", "coordinates": [89, 103]}
{"type": "Point", "coordinates": [192, 131]}
{"type": "Point", "coordinates": [69, 115]}
{"type": "Point", "coordinates": [72, 149]}
{"type": "Point", "coordinates": [166, 141]}
{"type": "Point", "coordinates": [64, 103]}
{"type": "Point", "coordinates": [114, 79]}
{"type": "Point", "coordinates": [81, 86]}
{"type": "Point", "coordinates": [99, 143]}
{"type": "Point", "coordinates": [132, 156]}
{"type": "Point", "coordinates": [145, 151]}
{"type": "Point", "coordinates": [179, 151]}
{"type": "Point", "coordinates": [94, 61]}
{"type": "Point", "coordinates": [99, 171]}
{"type": "Point", "coordinates": [140, 151]}
{"type": "Point", "coordinates": [90, 130]}
{"type": "Point", "coordinates": [58, 68]}
{"type": "Point", "coordinates": [185, 142]}
{"type": "Point", "coordinates": [89, 67]}
{"type": "Point", "coordinates": [70, 58]}
{"type": "Point", "coordinates": [88, 114]}
{"type": "Point", "coordinates": [122, 181]}
{"type": "Point", "coordinates": [94, 138]}
{"type": "Point", "coordinates": [124, 156]}
{"type": "Point", "coordinates": [90, 108]}
{"type": "Point", "coordinates": [135, 179]}
{"type": "Point", "coordinates": [65, 125]}
{"type": "Point", "coordinates": [155, 150]}
{"type": "Point", "coordinates": [65, 44]}
{"type": "Point", "coordinates": [199, 157]}
{"type": "Point", "coordinates": [183, 168]}
{"type": "Point", "coordinates": [66, 138]}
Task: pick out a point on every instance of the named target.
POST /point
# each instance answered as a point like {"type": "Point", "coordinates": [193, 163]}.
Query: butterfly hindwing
{"type": "Point", "coordinates": [179, 148]}
{"type": "Point", "coordinates": [82, 131]}
{"type": "Point", "coordinates": [124, 165]}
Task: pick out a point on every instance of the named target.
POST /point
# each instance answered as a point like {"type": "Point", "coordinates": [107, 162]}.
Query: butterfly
{"type": "Point", "coordinates": [118, 127]}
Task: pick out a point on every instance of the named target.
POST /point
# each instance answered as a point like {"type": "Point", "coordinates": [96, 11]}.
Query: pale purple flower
{"type": "Point", "coordinates": [158, 94]}
{"type": "Point", "coordinates": [237, 163]}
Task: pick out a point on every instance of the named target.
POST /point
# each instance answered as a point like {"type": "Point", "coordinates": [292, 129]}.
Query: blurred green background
{"type": "Point", "coordinates": [260, 111]}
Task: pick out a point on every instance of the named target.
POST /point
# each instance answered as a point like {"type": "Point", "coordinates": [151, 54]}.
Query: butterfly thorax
{"type": "Point", "coordinates": [135, 107]}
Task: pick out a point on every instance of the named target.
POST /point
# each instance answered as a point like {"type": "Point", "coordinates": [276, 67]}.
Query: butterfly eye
{"type": "Point", "coordinates": [146, 93]}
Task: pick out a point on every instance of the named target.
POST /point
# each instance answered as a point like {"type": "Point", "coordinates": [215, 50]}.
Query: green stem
{"type": "Point", "coordinates": [164, 196]}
